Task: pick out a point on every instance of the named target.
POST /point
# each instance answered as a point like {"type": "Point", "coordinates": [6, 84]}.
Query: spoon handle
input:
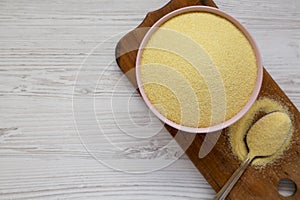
{"type": "Point", "coordinates": [222, 194]}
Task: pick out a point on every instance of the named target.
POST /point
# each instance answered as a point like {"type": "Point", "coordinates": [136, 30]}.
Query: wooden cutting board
{"type": "Point", "coordinates": [219, 165]}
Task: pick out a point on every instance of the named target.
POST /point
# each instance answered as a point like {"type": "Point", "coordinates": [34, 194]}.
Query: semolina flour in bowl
{"type": "Point", "coordinates": [198, 69]}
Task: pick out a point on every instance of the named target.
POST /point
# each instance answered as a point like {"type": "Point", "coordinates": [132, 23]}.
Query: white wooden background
{"type": "Point", "coordinates": [42, 46]}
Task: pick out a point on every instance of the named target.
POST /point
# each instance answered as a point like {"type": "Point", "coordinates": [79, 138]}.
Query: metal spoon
{"type": "Point", "coordinates": [282, 129]}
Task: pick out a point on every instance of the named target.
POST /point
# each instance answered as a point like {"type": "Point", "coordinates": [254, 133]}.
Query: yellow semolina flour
{"type": "Point", "coordinates": [198, 70]}
{"type": "Point", "coordinates": [262, 134]}
{"type": "Point", "coordinates": [269, 134]}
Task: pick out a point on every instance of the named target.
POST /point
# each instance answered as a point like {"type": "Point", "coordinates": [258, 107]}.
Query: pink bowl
{"type": "Point", "coordinates": [252, 98]}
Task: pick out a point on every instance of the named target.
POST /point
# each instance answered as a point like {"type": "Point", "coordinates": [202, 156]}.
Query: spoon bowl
{"type": "Point", "coordinates": [265, 143]}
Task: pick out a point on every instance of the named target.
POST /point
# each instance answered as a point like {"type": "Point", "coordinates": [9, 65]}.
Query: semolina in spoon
{"type": "Point", "coordinates": [263, 139]}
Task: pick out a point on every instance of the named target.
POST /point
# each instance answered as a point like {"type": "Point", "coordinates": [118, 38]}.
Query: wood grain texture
{"type": "Point", "coordinates": [42, 46]}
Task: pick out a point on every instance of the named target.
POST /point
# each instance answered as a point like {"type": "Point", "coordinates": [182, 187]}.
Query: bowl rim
{"type": "Point", "coordinates": [253, 44]}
